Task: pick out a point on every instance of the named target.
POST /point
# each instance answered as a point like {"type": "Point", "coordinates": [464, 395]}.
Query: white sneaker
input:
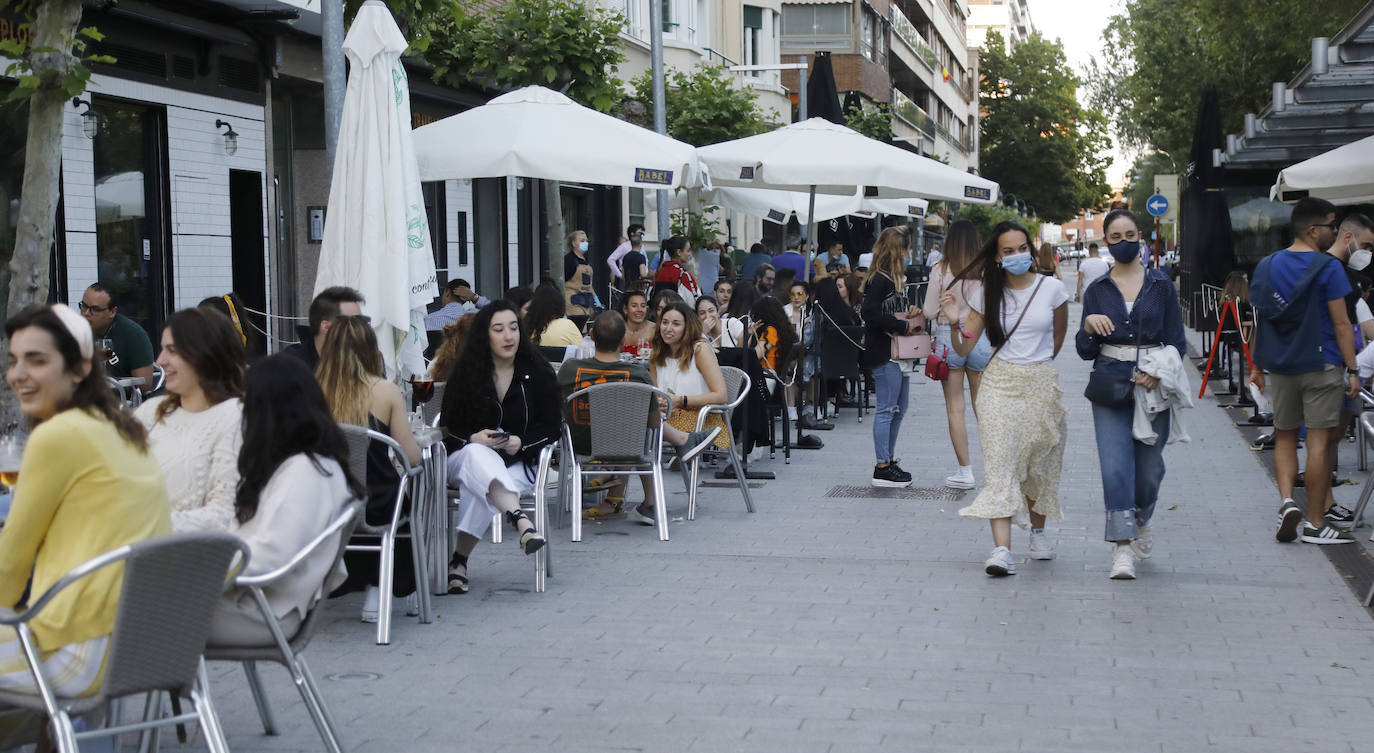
{"type": "Point", "coordinates": [1040, 546]}
{"type": "Point", "coordinates": [962, 478]}
{"type": "Point", "coordinates": [1123, 562]}
{"type": "Point", "coordinates": [371, 601]}
{"type": "Point", "coordinates": [999, 563]}
{"type": "Point", "coordinates": [1144, 544]}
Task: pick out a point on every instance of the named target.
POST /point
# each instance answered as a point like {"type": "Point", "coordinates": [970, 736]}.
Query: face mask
{"type": "Point", "coordinates": [1125, 251]}
{"type": "Point", "coordinates": [1017, 264]}
{"type": "Point", "coordinates": [1359, 259]}
{"type": "Point", "coordinates": [582, 246]}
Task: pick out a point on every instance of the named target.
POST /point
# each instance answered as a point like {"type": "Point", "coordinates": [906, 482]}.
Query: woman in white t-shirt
{"type": "Point", "coordinates": [1020, 407]}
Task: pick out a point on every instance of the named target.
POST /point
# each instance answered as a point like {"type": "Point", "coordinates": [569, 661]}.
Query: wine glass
{"type": "Point", "coordinates": [422, 388]}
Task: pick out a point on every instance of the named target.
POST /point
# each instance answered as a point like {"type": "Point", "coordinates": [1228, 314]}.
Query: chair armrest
{"type": "Point", "coordinates": [345, 518]}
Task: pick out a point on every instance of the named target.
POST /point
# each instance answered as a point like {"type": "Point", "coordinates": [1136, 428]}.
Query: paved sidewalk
{"type": "Point", "coordinates": [853, 624]}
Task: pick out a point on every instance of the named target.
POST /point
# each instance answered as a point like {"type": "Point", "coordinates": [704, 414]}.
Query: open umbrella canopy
{"type": "Point", "coordinates": [777, 206]}
{"type": "Point", "coordinates": [837, 160]}
{"type": "Point", "coordinates": [1342, 176]}
{"type": "Point", "coordinates": [536, 132]}
{"type": "Point", "coordinates": [376, 235]}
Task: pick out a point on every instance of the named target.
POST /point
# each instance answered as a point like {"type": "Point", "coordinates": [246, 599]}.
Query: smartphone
{"type": "Point", "coordinates": [500, 435]}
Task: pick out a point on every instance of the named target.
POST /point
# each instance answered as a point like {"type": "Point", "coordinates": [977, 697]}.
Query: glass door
{"type": "Point", "coordinates": [130, 186]}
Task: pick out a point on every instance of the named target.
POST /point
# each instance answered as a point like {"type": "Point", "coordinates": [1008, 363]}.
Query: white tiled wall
{"type": "Point", "coordinates": [198, 171]}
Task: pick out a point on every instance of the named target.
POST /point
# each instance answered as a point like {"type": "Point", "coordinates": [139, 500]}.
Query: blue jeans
{"type": "Point", "coordinates": [1131, 470]}
{"type": "Point", "coordinates": [892, 385]}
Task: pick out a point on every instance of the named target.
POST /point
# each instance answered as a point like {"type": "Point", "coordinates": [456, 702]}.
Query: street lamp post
{"type": "Point", "coordinates": [660, 108]}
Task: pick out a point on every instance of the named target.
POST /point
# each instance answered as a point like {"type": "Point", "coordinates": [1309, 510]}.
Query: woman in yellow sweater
{"type": "Point", "coordinates": [87, 485]}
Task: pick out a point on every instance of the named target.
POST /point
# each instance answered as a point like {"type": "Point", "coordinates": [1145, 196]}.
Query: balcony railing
{"type": "Point", "coordinates": [907, 33]}
{"type": "Point", "coordinates": [909, 111]}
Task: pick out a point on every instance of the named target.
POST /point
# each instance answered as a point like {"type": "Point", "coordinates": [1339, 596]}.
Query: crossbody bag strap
{"type": "Point", "coordinates": [1024, 309]}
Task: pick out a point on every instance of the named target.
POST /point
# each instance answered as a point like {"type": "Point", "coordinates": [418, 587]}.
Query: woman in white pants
{"type": "Point", "coordinates": [500, 408]}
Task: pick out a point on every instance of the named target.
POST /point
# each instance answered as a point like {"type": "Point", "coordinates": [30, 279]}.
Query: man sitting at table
{"type": "Point", "coordinates": [608, 330]}
{"type": "Point", "coordinates": [131, 352]}
{"type": "Point", "coordinates": [329, 305]}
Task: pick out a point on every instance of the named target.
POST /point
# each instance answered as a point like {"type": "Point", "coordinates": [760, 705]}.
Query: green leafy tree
{"type": "Point", "coordinates": [1037, 140]}
{"type": "Point", "coordinates": [704, 106]}
{"type": "Point", "coordinates": [874, 122]}
{"type": "Point", "coordinates": [1160, 55]}
{"type": "Point", "coordinates": [1140, 181]}
{"type": "Point", "coordinates": [985, 217]}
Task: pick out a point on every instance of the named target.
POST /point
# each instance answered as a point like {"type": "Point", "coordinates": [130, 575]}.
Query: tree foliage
{"type": "Point", "coordinates": [704, 106]}
{"type": "Point", "coordinates": [553, 43]}
{"type": "Point", "coordinates": [1140, 181]}
{"type": "Point", "coordinates": [1038, 142]}
{"type": "Point", "coordinates": [985, 217]}
{"type": "Point", "coordinates": [874, 122]}
{"type": "Point", "coordinates": [1159, 56]}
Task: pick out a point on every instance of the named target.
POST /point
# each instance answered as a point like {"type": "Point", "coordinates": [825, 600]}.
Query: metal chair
{"type": "Point", "coordinates": [168, 594]}
{"type": "Point", "coordinates": [736, 390]}
{"type": "Point", "coordinates": [787, 372]}
{"type": "Point", "coordinates": [1366, 430]}
{"type": "Point", "coordinates": [534, 501]}
{"type": "Point", "coordinates": [286, 650]}
{"type": "Point", "coordinates": [621, 443]}
{"type": "Point", "coordinates": [359, 438]}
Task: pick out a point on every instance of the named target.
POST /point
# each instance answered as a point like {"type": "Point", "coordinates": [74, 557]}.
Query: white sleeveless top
{"type": "Point", "coordinates": [672, 378]}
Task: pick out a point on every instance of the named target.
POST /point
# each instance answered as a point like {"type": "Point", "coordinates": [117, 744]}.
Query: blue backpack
{"type": "Point", "coordinates": [1288, 339]}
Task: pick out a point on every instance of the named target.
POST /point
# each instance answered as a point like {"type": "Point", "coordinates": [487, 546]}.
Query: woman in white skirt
{"type": "Point", "coordinates": [500, 409]}
{"type": "Point", "coordinates": [1020, 407]}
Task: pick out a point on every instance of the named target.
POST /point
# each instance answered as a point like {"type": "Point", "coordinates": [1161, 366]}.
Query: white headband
{"type": "Point", "coordinates": [78, 327]}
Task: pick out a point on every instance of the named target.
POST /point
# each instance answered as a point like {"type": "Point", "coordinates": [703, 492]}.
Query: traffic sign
{"type": "Point", "coordinates": [1157, 205]}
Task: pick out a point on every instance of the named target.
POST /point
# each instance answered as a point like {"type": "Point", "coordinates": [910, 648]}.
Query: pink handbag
{"type": "Point", "coordinates": [911, 347]}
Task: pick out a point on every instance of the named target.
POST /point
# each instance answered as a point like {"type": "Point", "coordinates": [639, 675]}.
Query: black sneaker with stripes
{"type": "Point", "coordinates": [1341, 517]}
{"type": "Point", "coordinates": [1325, 535]}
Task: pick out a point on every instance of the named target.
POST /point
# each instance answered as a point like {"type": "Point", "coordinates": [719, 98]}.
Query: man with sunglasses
{"type": "Point", "coordinates": [130, 350]}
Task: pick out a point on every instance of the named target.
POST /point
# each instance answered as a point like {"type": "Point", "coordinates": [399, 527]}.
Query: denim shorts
{"type": "Point", "coordinates": [977, 360]}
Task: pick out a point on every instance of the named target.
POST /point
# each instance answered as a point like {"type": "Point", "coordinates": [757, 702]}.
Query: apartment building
{"type": "Point", "coordinates": [910, 54]}
{"type": "Point", "coordinates": [1010, 18]}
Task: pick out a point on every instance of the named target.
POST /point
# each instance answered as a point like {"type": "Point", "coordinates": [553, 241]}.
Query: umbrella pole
{"type": "Point", "coordinates": [811, 217]}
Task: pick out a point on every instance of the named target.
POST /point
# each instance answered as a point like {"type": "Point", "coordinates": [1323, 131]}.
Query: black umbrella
{"type": "Point", "coordinates": [1208, 254]}
{"type": "Point", "coordinates": [822, 98]}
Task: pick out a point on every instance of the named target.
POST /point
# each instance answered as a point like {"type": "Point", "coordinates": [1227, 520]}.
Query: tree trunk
{"type": "Point", "coordinates": [54, 28]}
{"type": "Point", "coordinates": [553, 208]}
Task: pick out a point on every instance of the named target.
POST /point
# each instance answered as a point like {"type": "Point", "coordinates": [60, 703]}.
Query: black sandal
{"type": "Point", "coordinates": [531, 540]}
{"type": "Point", "coordinates": [458, 582]}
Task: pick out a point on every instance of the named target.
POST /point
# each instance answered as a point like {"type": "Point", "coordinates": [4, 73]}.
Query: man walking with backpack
{"type": "Point", "coordinates": [1305, 343]}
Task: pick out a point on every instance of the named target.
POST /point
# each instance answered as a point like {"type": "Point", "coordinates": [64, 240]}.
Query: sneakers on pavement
{"type": "Point", "coordinates": [1341, 517]}
{"type": "Point", "coordinates": [891, 476]}
{"type": "Point", "coordinates": [961, 479]}
{"type": "Point", "coordinates": [1325, 535]}
{"type": "Point", "coordinates": [999, 563]}
{"type": "Point", "coordinates": [696, 442]}
{"type": "Point", "coordinates": [1290, 516]}
{"type": "Point", "coordinates": [1144, 544]}
{"type": "Point", "coordinates": [643, 514]}
{"type": "Point", "coordinates": [1040, 546]}
{"type": "Point", "coordinates": [1123, 562]}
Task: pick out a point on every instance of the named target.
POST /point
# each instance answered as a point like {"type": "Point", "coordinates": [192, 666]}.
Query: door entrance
{"type": "Point", "coordinates": [248, 249]}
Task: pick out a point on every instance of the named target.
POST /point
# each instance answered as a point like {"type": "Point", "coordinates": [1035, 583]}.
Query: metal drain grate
{"type": "Point", "coordinates": [924, 493]}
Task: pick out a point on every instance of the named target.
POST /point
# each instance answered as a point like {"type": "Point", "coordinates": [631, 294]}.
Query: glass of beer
{"type": "Point", "coordinates": [11, 456]}
{"type": "Point", "coordinates": [106, 348]}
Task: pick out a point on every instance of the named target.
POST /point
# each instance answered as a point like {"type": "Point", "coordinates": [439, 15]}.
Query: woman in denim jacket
{"type": "Point", "coordinates": [1128, 306]}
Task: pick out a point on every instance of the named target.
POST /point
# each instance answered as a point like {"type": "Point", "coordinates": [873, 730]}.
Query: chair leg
{"type": "Point", "coordinates": [692, 490]}
{"type": "Point", "coordinates": [314, 703]}
{"type": "Point", "coordinates": [660, 503]}
{"type": "Point", "coordinates": [496, 532]}
{"type": "Point", "coordinates": [541, 491]}
{"type": "Point", "coordinates": [419, 549]}
{"type": "Point", "coordinates": [575, 487]}
{"type": "Point", "coordinates": [152, 709]}
{"type": "Point", "coordinates": [205, 710]}
{"type": "Point", "coordinates": [386, 576]}
{"type": "Point", "coordinates": [269, 725]}
{"type": "Point", "coordinates": [64, 736]}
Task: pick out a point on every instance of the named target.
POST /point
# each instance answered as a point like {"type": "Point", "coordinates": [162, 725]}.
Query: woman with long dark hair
{"type": "Point", "coordinates": [194, 430]}
{"type": "Point", "coordinates": [1020, 407]}
{"type": "Point", "coordinates": [87, 485]}
{"type": "Point", "coordinates": [772, 330]}
{"type": "Point", "coordinates": [835, 310]}
{"type": "Point", "coordinates": [672, 272]}
{"type": "Point", "coordinates": [547, 321]}
{"type": "Point", "coordinates": [231, 305]}
{"type": "Point", "coordinates": [639, 329]}
{"type": "Point", "coordinates": [1130, 314]}
{"type": "Point", "coordinates": [500, 408]}
{"type": "Point", "coordinates": [742, 301]}
{"type": "Point", "coordinates": [721, 333]}
{"type": "Point", "coordinates": [961, 250]}
{"type": "Point", "coordinates": [883, 300]}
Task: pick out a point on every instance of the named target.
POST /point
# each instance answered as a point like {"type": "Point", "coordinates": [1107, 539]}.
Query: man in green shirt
{"type": "Point", "coordinates": [130, 350]}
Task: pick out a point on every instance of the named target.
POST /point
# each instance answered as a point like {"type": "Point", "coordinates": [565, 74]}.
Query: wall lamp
{"type": "Point", "coordinates": [90, 120]}
{"type": "Point", "coordinates": [231, 139]}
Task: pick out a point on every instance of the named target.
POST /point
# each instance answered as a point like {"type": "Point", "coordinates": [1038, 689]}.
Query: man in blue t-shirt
{"type": "Point", "coordinates": [1311, 397]}
{"type": "Point", "coordinates": [793, 259]}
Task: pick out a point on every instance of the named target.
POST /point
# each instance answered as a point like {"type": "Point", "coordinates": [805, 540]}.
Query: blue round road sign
{"type": "Point", "coordinates": [1157, 205]}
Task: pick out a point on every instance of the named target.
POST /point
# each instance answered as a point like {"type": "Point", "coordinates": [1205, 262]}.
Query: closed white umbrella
{"type": "Point", "coordinates": [1342, 176]}
{"type": "Point", "coordinates": [376, 235]}
{"type": "Point", "coordinates": [536, 132]}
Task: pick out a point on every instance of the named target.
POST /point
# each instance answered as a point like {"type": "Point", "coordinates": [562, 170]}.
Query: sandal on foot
{"type": "Point", "coordinates": [530, 540]}
{"type": "Point", "coordinates": [611, 509]}
{"type": "Point", "coordinates": [458, 574]}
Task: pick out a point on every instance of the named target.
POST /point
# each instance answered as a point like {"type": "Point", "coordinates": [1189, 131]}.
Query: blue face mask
{"type": "Point", "coordinates": [1017, 264]}
{"type": "Point", "coordinates": [582, 246]}
{"type": "Point", "coordinates": [1124, 251]}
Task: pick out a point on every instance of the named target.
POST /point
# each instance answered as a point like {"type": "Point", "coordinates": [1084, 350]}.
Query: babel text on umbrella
{"type": "Point", "coordinates": [653, 177]}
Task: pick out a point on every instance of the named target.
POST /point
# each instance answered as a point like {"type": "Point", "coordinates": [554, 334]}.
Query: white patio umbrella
{"type": "Point", "coordinates": [1342, 176]}
{"type": "Point", "coordinates": [777, 206]}
{"type": "Point", "coordinates": [536, 132]}
{"type": "Point", "coordinates": [376, 235]}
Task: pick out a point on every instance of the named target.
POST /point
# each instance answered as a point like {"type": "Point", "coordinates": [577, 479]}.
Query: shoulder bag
{"type": "Point", "coordinates": [1111, 383]}
{"type": "Point", "coordinates": [913, 346]}
{"type": "Point", "coordinates": [937, 365]}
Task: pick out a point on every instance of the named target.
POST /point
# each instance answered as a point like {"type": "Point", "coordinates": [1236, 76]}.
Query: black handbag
{"type": "Point", "coordinates": [1112, 383]}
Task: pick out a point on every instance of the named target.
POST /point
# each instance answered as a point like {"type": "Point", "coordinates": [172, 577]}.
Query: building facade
{"type": "Point", "coordinates": [1010, 18]}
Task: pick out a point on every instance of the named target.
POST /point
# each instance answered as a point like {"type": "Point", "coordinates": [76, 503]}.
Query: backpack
{"type": "Point", "coordinates": [1288, 339]}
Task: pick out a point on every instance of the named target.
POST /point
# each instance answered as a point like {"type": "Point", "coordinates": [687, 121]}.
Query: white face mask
{"type": "Point", "coordinates": [1359, 259]}
{"type": "Point", "coordinates": [582, 246]}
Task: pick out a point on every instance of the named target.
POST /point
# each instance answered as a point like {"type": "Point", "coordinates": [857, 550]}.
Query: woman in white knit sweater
{"type": "Point", "coordinates": [194, 431]}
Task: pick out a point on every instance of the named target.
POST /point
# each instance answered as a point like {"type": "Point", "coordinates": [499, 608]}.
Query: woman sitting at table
{"type": "Point", "coordinates": [500, 409]}
{"type": "Point", "coordinates": [685, 365]}
{"type": "Point", "coordinates": [546, 319]}
{"type": "Point", "coordinates": [662, 300]}
{"type": "Point", "coordinates": [720, 333]}
{"type": "Point", "coordinates": [194, 430]}
{"type": "Point", "coordinates": [295, 481]}
{"type": "Point", "coordinates": [639, 331]}
{"type": "Point", "coordinates": [87, 485]}
{"type": "Point", "coordinates": [350, 375]}
{"type": "Point", "coordinates": [773, 332]}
